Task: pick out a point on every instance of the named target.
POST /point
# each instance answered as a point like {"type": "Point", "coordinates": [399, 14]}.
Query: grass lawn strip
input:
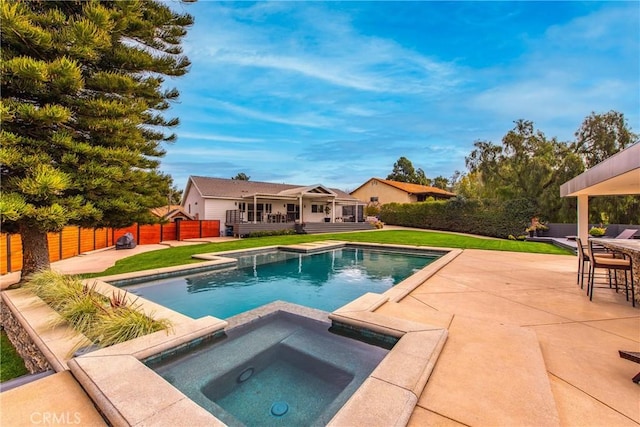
{"type": "Point", "coordinates": [182, 254]}
{"type": "Point", "coordinates": [11, 364]}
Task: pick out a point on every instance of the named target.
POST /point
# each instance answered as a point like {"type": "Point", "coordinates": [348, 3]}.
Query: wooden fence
{"type": "Point", "coordinates": [73, 241]}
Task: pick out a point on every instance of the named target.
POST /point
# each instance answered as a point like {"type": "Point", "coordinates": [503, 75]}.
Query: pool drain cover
{"type": "Point", "coordinates": [279, 409]}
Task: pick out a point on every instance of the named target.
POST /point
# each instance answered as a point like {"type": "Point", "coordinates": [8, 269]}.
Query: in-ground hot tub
{"type": "Point", "coordinates": [280, 369]}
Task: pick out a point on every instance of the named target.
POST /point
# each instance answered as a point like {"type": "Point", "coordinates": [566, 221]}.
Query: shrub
{"type": "Point", "coordinates": [372, 210]}
{"type": "Point", "coordinates": [597, 231]}
{"type": "Point", "coordinates": [265, 233]}
{"type": "Point", "coordinates": [487, 217]}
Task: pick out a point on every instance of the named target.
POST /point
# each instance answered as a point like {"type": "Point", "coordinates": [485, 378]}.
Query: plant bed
{"type": "Point", "coordinates": [103, 321]}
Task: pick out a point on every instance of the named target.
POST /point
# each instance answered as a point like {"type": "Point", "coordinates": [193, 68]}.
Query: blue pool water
{"type": "Point", "coordinates": [326, 281]}
{"type": "Point", "coordinates": [281, 369]}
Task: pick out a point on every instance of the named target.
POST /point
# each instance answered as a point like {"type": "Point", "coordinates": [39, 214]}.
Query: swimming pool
{"type": "Point", "coordinates": [325, 280]}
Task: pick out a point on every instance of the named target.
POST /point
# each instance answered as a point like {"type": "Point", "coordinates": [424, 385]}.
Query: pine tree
{"type": "Point", "coordinates": [82, 114]}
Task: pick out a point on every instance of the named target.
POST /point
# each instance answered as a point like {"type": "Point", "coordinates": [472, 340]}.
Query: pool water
{"type": "Point", "coordinates": [326, 281]}
{"type": "Point", "coordinates": [265, 389]}
{"type": "Point", "coordinates": [282, 369]}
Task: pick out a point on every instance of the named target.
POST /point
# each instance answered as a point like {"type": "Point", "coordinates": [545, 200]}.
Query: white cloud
{"type": "Point", "coordinates": [219, 138]}
{"type": "Point", "coordinates": [320, 45]}
{"type": "Point", "coordinates": [307, 119]}
{"type": "Point", "coordinates": [573, 70]}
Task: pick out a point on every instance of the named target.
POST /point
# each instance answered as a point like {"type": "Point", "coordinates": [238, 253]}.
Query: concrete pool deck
{"type": "Point", "coordinates": [525, 347]}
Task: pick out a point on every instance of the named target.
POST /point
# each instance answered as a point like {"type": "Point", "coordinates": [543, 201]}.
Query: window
{"type": "Point", "coordinates": [317, 209]}
{"type": "Point", "coordinates": [373, 199]}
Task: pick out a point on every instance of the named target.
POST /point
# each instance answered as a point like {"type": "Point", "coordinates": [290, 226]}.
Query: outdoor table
{"type": "Point", "coordinates": [630, 247]}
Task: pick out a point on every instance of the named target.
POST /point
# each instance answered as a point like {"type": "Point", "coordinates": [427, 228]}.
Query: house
{"type": "Point", "coordinates": [382, 191]}
{"type": "Point", "coordinates": [266, 205]}
{"type": "Point", "coordinates": [171, 212]}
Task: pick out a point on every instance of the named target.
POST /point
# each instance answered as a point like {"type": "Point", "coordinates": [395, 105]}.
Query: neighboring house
{"type": "Point", "coordinates": [240, 202]}
{"type": "Point", "coordinates": [382, 191]}
{"type": "Point", "coordinates": [171, 213]}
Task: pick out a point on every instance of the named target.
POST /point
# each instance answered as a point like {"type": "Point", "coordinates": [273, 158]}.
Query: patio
{"type": "Point", "coordinates": [525, 347]}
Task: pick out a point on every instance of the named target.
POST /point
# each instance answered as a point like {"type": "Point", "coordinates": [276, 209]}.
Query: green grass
{"type": "Point", "coordinates": [182, 254]}
{"type": "Point", "coordinates": [11, 364]}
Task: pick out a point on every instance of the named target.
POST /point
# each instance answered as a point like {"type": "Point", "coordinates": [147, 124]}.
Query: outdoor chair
{"type": "Point", "coordinates": [583, 260]}
{"type": "Point", "coordinates": [610, 264]}
{"type": "Point", "coordinates": [628, 233]}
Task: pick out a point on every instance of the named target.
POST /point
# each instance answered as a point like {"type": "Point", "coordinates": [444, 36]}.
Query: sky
{"type": "Point", "coordinates": [334, 93]}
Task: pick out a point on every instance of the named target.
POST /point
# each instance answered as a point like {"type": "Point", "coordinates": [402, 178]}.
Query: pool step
{"type": "Point", "coordinates": [312, 247]}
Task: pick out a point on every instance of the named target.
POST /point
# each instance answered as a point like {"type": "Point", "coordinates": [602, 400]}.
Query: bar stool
{"type": "Point", "coordinates": [597, 261]}
{"type": "Point", "coordinates": [583, 260]}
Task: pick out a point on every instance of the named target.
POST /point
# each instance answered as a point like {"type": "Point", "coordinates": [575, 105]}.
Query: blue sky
{"type": "Point", "coordinates": [334, 93]}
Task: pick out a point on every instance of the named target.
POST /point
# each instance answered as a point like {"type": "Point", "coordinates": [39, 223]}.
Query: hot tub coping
{"type": "Point", "coordinates": [401, 377]}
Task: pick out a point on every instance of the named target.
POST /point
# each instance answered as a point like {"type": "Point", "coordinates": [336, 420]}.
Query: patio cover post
{"type": "Point", "coordinates": [583, 217]}
{"type": "Point", "coordinates": [619, 175]}
{"type": "Point", "coordinates": [255, 208]}
{"type": "Point", "coordinates": [333, 210]}
{"type": "Point", "coordinates": [300, 207]}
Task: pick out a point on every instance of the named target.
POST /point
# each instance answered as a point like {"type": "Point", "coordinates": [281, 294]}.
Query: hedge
{"type": "Point", "coordinates": [482, 217]}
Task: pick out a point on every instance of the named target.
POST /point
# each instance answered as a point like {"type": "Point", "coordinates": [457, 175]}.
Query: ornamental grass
{"type": "Point", "coordinates": [104, 321]}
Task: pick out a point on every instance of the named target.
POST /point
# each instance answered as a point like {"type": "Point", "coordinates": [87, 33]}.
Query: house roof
{"type": "Point", "coordinates": [412, 188]}
{"type": "Point", "coordinates": [234, 189]}
{"type": "Point", "coordinates": [169, 211]}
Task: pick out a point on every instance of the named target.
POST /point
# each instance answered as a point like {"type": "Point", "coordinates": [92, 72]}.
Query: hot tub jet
{"type": "Point", "coordinates": [245, 375]}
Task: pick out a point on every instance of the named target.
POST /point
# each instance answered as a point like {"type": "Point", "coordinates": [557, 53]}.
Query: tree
{"type": "Point", "coordinates": [241, 177]}
{"type": "Point", "coordinates": [403, 171]}
{"type": "Point", "coordinates": [440, 182]}
{"type": "Point", "coordinates": [526, 166]}
{"type": "Point", "coordinates": [175, 195]}
{"type": "Point", "coordinates": [599, 137]}
{"type": "Point", "coordinates": [81, 110]}
{"type": "Point", "coordinates": [602, 135]}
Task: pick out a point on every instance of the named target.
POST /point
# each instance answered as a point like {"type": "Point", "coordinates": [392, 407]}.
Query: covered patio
{"type": "Point", "coordinates": [314, 203]}
{"type": "Point", "coordinates": [619, 175]}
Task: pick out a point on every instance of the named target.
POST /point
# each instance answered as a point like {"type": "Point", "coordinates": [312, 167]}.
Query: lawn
{"type": "Point", "coordinates": [11, 364]}
{"type": "Point", "coordinates": [182, 254]}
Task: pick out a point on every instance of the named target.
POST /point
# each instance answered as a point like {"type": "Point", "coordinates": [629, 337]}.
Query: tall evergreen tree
{"type": "Point", "coordinates": [403, 171]}
{"type": "Point", "coordinates": [241, 177]}
{"type": "Point", "coordinates": [81, 110]}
